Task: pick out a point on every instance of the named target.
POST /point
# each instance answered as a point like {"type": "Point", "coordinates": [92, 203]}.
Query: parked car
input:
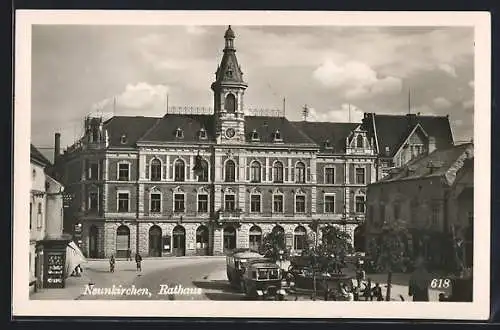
{"type": "Point", "coordinates": [263, 280]}
{"type": "Point", "coordinates": [235, 264]}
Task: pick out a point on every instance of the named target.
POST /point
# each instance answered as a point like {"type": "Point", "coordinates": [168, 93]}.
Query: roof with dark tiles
{"type": "Point", "coordinates": [36, 155]}
{"type": "Point", "coordinates": [132, 127]}
{"type": "Point", "coordinates": [333, 133]}
{"type": "Point", "coordinates": [267, 126]}
{"type": "Point", "coordinates": [164, 130]}
{"type": "Point", "coordinates": [392, 130]}
{"type": "Point", "coordinates": [435, 164]}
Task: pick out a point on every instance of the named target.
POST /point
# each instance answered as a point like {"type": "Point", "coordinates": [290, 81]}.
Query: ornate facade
{"type": "Point", "coordinates": [199, 184]}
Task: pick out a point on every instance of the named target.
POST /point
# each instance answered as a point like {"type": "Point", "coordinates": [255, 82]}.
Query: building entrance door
{"type": "Point", "coordinates": [179, 243]}
{"type": "Point", "coordinates": [155, 241]}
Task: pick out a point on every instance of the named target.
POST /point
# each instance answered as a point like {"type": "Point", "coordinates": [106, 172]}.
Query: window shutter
{"type": "Point", "coordinates": [248, 172]}
{"type": "Point", "coordinates": [308, 177]}
{"type": "Point", "coordinates": [171, 173]}
{"type": "Point", "coordinates": [293, 174]}
{"type": "Point", "coordinates": [147, 171]}
{"type": "Point", "coordinates": [270, 174]}
{"type": "Point", "coordinates": [164, 174]}
{"type": "Point", "coordinates": [286, 174]}
{"type": "Point", "coordinates": [264, 172]}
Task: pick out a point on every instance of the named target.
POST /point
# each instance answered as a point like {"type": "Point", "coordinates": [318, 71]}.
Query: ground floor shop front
{"type": "Point", "coordinates": [101, 239]}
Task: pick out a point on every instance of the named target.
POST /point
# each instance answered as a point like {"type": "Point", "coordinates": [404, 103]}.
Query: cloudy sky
{"type": "Point", "coordinates": [81, 69]}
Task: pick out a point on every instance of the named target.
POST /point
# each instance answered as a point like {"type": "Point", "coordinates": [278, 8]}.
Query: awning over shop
{"type": "Point", "coordinates": [74, 257]}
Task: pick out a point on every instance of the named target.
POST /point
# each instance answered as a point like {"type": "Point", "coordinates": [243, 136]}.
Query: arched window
{"type": "Point", "coordinates": [229, 238]}
{"type": "Point", "coordinates": [155, 170]}
{"type": "Point", "coordinates": [255, 238]}
{"type": "Point", "coordinates": [155, 241]}
{"type": "Point", "coordinates": [255, 172]}
{"type": "Point", "coordinates": [230, 104]}
{"type": "Point", "coordinates": [359, 141]}
{"type": "Point", "coordinates": [203, 176]}
{"type": "Point", "coordinates": [299, 238]}
{"type": "Point", "coordinates": [279, 234]}
{"type": "Point", "coordinates": [300, 172]}
{"type": "Point", "coordinates": [230, 171]}
{"type": "Point", "coordinates": [179, 169]}
{"type": "Point", "coordinates": [122, 241]}
{"type": "Point", "coordinates": [278, 172]}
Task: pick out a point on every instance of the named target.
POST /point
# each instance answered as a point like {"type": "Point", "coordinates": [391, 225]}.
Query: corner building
{"type": "Point", "coordinates": [135, 187]}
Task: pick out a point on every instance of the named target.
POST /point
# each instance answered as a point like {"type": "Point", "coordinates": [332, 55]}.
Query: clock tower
{"type": "Point", "coordinates": [229, 89]}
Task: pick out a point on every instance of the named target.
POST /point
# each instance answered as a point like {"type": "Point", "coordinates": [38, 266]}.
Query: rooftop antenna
{"type": "Point", "coordinates": [305, 112]}
{"type": "Point", "coordinates": [349, 112]}
{"type": "Point", "coordinates": [284, 107]}
{"type": "Point", "coordinates": [114, 106]}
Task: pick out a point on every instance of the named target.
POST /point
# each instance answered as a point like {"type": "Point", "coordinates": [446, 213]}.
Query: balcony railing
{"type": "Point", "coordinates": [229, 215]}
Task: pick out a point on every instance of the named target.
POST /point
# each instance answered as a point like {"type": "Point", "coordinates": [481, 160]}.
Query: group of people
{"type": "Point", "coordinates": [138, 261]}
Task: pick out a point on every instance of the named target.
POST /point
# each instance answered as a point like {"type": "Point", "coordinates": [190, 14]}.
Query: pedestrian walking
{"type": "Point", "coordinates": [377, 292]}
{"type": "Point", "coordinates": [367, 291]}
{"type": "Point", "coordinates": [112, 264]}
{"type": "Point", "coordinates": [418, 287]}
{"type": "Point", "coordinates": [138, 260]}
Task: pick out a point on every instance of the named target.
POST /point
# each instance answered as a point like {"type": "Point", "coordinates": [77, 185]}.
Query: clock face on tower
{"type": "Point", "coordinates": [230, 132]}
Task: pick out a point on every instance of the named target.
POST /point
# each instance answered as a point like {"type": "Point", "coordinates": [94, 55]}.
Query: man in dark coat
{"type": "Point", "coordinates": [418, 288]}
{"type": "Point", "coordinates": [138, 260]}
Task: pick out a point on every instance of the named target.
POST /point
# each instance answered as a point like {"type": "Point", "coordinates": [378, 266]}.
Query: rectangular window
{"type": "Point", "coordinates": [93, 201]}
{"type": "Point", "coordinates": [397, 211]}
{"type": "Point", "coordinates": [203, 203]}
{"type": "Point", "coordinates": [123, 172]}
{"type": "Point", "coordinates": [39, 216]}
{"type": "Point", "coordinates": [123, 202]}
{"type": "Point", "coordinates": [229, 202]}
{"type": "Point", "coordinates": [255, 203]}
{"type": "Point", "coordinates": [329, 175]}
{"type": "Point", "coordinates": [329, 203]}
{"type": "Point", "coordinates": [278, 203]}
{"type": "Point", "coordinates": [360, 204]}
{"type": "Point", "coordinates": [155, 203]}
{"type": "Point", "coordinates": [435, 215]}
{"type": "Point", "coordinates": [300, 204]}
{"type": "Point", "coordinates": [382, 214]}
{"type": "Point", "coordinates": [31, 213]}
{"type": "Point", "coordinates": [360, 175]}
{"type": "Point", "coordinates": [178, 202]}
{"type": "Point", "coordinates": [93, 173]}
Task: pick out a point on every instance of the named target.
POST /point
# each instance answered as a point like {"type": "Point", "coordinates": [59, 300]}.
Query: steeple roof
{"type": "Point", "coordinates": [229, 71]}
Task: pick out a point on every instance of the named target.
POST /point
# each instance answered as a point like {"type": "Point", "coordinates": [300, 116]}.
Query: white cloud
{"type": "Point", "coordinates": [136, 96]}
{"type": "Point", "coordinates": [447, 68]}
{"type": "Point", "coordinates": [469, 104]}
{"type": "Point", "coordinates": [355, 79]}
{"type": "Point", "coordinates": [441, 103]}
{"type": "Point", "coordinates": [337, 115]}
{"type": "Point", "coordinates": [194, 29]}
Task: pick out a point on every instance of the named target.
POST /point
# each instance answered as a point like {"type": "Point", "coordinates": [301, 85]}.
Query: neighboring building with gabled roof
{"type": "Point", "coordinates": [433, 195]}
{"type": "Point", "coordinates": [400, 138]}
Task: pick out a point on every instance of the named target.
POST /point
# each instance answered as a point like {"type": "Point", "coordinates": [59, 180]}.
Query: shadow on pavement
{"type": "Point", "coordinates": [215, 285]}
{"type": "Point", "coordinates": [224, 296]}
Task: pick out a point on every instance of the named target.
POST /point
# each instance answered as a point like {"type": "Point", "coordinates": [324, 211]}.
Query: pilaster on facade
{"type": "Point", "coordinates": [290, 177]}
{"type": "Point", "coordinates": [313, 200]}
{"type": "Point", "coordinates": [268, 171]}
{"type": "Point", "coordinates": [142, 167]}
{"type": "Point", "coordinates": [217, 197]}
{"type": "Point", "coordinates": [218, 168]}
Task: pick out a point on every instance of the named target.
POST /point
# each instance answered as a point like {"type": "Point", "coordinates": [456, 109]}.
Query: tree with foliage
{"type": "Point", "coordinates": [324, 256]}
{"type": "Point", "coordinates": [392, 250]}
{"type": "Point", "coordinates": [273, 246]}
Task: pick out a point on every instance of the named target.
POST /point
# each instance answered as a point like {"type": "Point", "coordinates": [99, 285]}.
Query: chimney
{"type": "Point", "coordinates": [432, 144]}
{"type": "Point", "coordinates": [57, 146]}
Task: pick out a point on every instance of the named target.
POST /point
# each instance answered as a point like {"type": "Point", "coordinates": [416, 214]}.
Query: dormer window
{"type": "Point", "coordinates": [123, 139]}
{"type": "Point", "coordinates": [277, 136]}
{"type": "Point", "coordinates": [202, 134]}
{"type": "Point", "coordinates": [387, 150]}
{"type": "Point", "coordinates": [179, 133]}
{"type": "Point", "coordinates": [327, 144]}
{"type": "Point", "coordinates": [255, 135]}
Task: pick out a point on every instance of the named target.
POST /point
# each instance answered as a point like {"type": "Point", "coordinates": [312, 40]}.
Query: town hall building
{"type": "Point", "coordinates": [195, 183]}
